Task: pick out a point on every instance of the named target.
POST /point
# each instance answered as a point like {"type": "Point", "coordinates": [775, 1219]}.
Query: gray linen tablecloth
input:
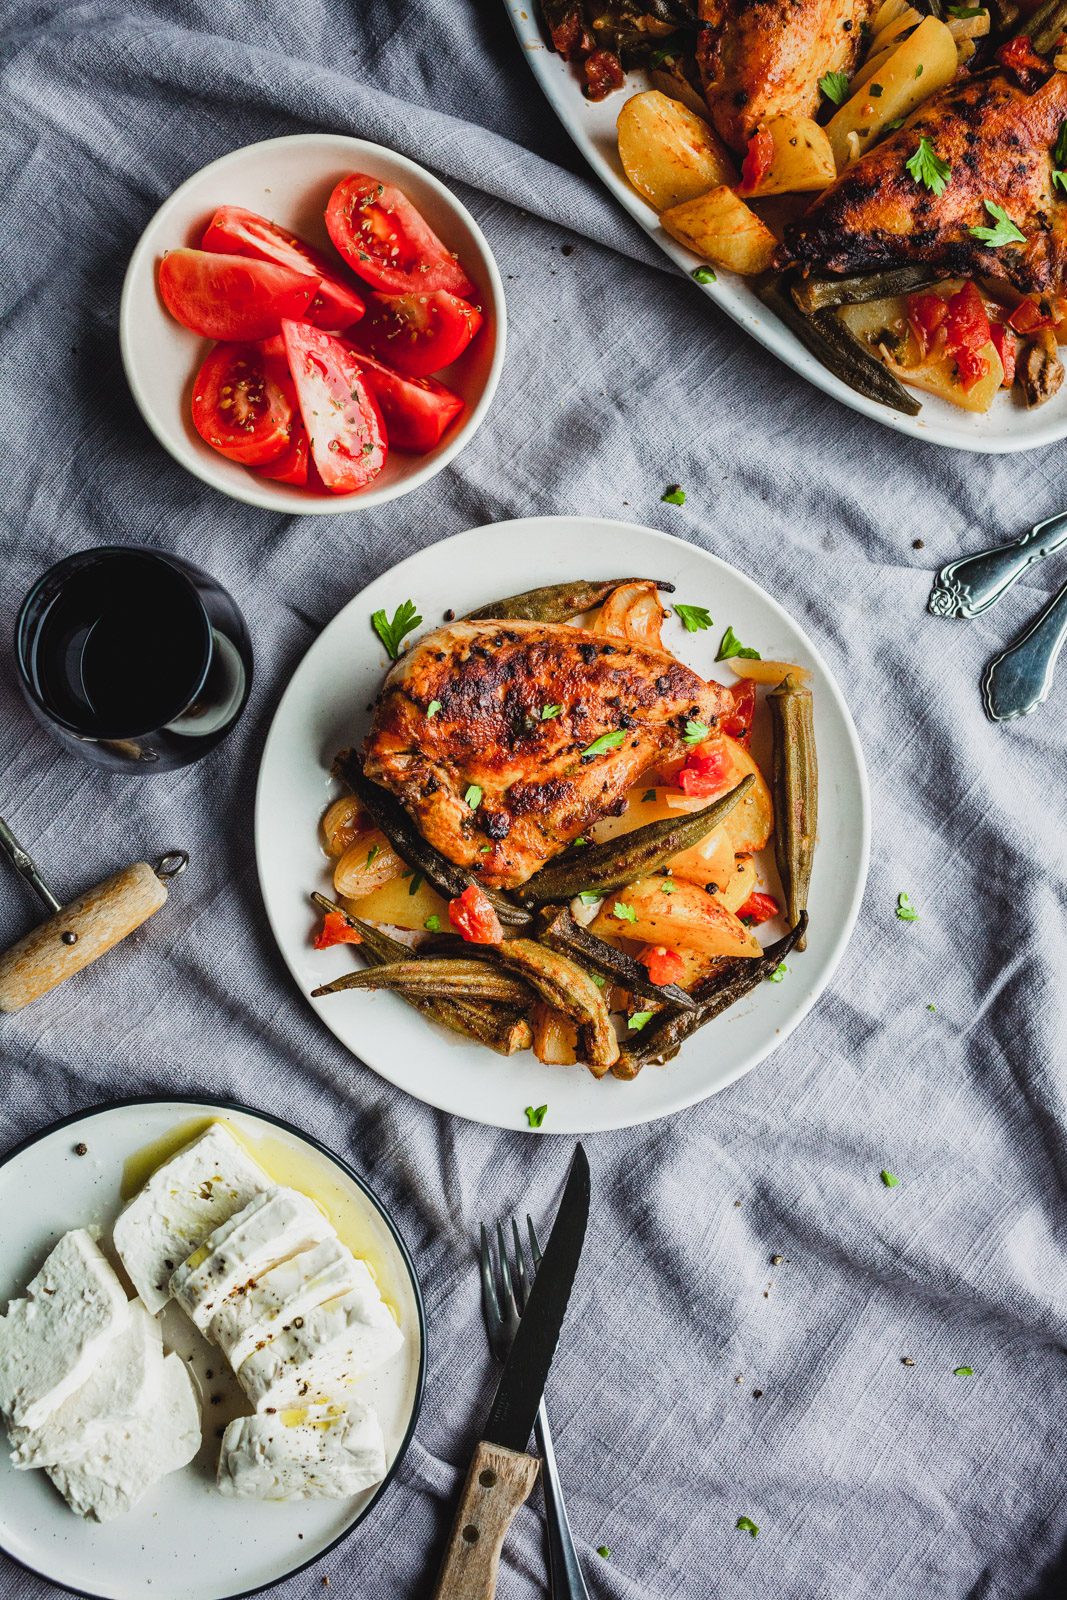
{"type": "Point", "coordinates": [867, 1477]}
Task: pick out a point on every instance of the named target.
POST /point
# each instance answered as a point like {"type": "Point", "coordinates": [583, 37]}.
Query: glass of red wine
{"type": "Point", "coordinates": [134, 658]}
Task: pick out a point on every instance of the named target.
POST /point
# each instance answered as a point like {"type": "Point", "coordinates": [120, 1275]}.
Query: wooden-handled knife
{"type": "Point", "coordinates": [501, 1473]}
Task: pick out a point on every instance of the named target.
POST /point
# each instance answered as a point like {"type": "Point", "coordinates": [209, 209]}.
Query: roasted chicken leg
{"type": "Point", "coordinates": [484, 729]}
{"type": "Point", "coordinates": [995, 139]}
{"type": "Point", "coordinates": [762, 58]}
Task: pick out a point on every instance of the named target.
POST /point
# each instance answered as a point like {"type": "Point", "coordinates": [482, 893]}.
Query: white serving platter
{"type": "Point", "coordinates": [185, 1541]}
{"type": "Point", "coordinates": [326, 708]}
{"type": "Point", "coordinates": [1006, 427]}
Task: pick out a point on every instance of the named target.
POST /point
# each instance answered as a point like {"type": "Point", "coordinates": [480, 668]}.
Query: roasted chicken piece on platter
{"type": "Point", "coordinates": [764, 58]}
{"type": "Point", "coordinates": [993, 141]}
{"type": "Point", "coordinates": [506, 740]}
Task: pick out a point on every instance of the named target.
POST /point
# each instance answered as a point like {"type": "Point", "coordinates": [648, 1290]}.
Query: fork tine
{"type": "Point", "coordinates": [521, 1279]}
{"type": "Point", "coordinates": [490, 1300]}
{"type": "Point", "coordinates": [510, 1309]}
{"type": "Point", "coordinates": [535, 1248]}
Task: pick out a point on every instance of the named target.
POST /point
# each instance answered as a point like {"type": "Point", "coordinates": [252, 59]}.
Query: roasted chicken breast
{"type": "Point", "coordinates": [995, 139]}
{"type": "Point", "coordinates": [762, 58]}
{"type": "Point", "coordinates": [498, 775]}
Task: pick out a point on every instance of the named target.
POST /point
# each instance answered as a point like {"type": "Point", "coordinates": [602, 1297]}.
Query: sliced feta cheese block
{"type": "Point", "coordinates": [183, 1201]}
{"type": "Point", "coordinates": [324, 1351]}
{"type": "Point", "coordinates": [125, 1381]}
{"type": "Point", "coordinates": [272, 1226]}
{"type": "Point", "coordinates": [311, 1453]}
{"type": "Point", "coordinates": [123, 1463]}
{"type": "Point", "coordinates": [50, 1341]}
{"type": "Point", "coordinates": [259, 1310]}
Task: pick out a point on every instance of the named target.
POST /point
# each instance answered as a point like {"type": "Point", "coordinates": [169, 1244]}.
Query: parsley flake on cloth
{"type": "Point", "coordinates": [888, 1179]}
{"type": "Point", "coordinates": [405, 617]}
{"type": "Point", "coordinates": [746, 1525]}
{"type": "Point", "coordinates": [905, 910]}
{"type": "Point", "coordinates": [674, 495]}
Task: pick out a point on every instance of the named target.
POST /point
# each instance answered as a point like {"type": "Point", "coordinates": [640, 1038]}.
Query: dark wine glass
{"type": "Point", "coordinates": [134, 658]}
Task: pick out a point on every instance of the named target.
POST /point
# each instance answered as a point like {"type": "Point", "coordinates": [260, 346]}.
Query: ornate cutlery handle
{"type": "Point", "coordinates": [1019, 678]}
{"type": "Point", "coordinates": [969, 586]}
{"type": "Point", "coordinates": [565, 1579]}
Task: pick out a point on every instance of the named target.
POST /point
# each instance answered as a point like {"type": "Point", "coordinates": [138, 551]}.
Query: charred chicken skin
{"type": "Point", "coordinates": [762, 58]}
{"type": "Point", "coordinates": [995, 138]}
{"type": "Point", "coordinates": [538, 787]}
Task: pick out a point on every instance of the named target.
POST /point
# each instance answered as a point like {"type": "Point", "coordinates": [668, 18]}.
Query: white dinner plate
{"type": "Point", "coordinates": [1007, 426]}
{"type": "Point", "coordinates": [185, 1541]}
{"type": "Point", "coordinates": [326, 707]}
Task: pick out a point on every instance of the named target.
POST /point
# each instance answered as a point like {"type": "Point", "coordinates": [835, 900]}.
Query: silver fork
{"type": "Point", "coordinates": [503, 1306]}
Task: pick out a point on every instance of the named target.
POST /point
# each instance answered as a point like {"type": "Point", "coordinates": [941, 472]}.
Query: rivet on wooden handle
{"type": "Point", "coordinates": [98, 919]}
{"type": "Point", "coordinates": [498, 1483]}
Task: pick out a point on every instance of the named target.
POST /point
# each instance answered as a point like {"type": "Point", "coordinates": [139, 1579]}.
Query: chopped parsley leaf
{"type": "Point", "coordinates": [919, 70]}
{"type": "Point", "coordinates": [1003, 232]}
{"type": "Point", "coordinates": [649, 794]}
{"type": "Point", "coordinates": [433, 708]}
{"type": "Point", "coordinates": [589, 897]}
{"type": "Point", "coordinates": [602, 1550]}
{"type": "Point", "coordinates": [623, 912]}
{"type": "Point", "coordinates": [876, 90]}
{"type": "Point", "coordinates": [417, 881]}
{"type": "Point", "coordinates": [535, 1115]}
{"type": "Point", "coordinates": [778, 974]}
{"type": "Point", "coordinates": [667, 886]}
{"type": "Point", "coordinates": [665, 52]}
{"type": "Point", "coordinates": [965, 11]}
{"type": "Point", "coordinates": [704, 275]}
{"type": "Point", "coordinates": [747, 1525]}
{"type": "Point", "coordinates": [548, 712]}
{"type": "Point", "coordinates": [606, 742]}
{"type": "Point", "coordinates": [638, 1020]}
{"type": "Point", "coordinates": [693, 618]}
{"type": "Point", "coordinates": [371, 853]}
{"type": "Point", "coordinates": [674, 495]}
{"type": "Point", "coordinates": [433, 924]}
{"type": "Point", "coordinates": [598, 979]}
{"type": "Point", "coordinates": [905, 910]}
{"type": "Point", "coordinates": [889, 1180]}
{"type": "Point", "coordinates": [732, 646]}
{"type": "Point", "coordinates": [835, 86]}
{"type": "Point", "coordinates": [695, 732]}
{"type": "Point", "coordinates": [405, 618]}
{"type": "Point", "coordinates": [963, 1372]}
{"type": "Point", "coordinates": [473, 796]}
{"type": "Point", "coordinates": [927, 168]}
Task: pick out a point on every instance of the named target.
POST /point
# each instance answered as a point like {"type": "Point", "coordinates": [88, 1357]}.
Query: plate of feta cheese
{"type": "Point", "coordinates": [212, 1351]}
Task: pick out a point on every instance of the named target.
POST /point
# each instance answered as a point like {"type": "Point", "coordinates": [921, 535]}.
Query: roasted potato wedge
{"type": "Point", "coordinates": [709, 862]}
{"type": "Point", "coordinates": [922, 64]}
{"type": "Point", "coordinates": [680, 916]}
{"type": "Point", "coordinates": [744, 880]}
{"type": "Point", "coordinates": [719, 227]}
{"type": "Point", "coordinates": [803, 160]}
{"type": "Point", "coordinates": [668, 153]}
{"type": "Point", "coordinates": [395, 904]}
{"type": "Point", "coordinates": [942, 378]}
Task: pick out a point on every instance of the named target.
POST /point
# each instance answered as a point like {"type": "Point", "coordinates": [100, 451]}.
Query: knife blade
{"type": "Point", "coordinates": [501, 1474]}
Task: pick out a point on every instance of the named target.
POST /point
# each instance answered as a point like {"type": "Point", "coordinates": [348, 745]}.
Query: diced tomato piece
{"type": "Point", "coordinates": [567, 28]}
{"type": "Point", "coordinates": [757, 162]}
{"type": "Point", "coordinates": [417, 334]}
{"type": "Point", "coordinates": [1028, 317]}
{"type": "Point", "coordinates": [737, 722]}
{"type": "Point", "coordinates": [1005, 344]}
{"type": "Point", "coordinates": [336, 929]}
{"type": "Point", "coordinates": [292, 467]}
{"type": "Point", "coordinates": [664, 966]}
{"type": "Point", "coordinates": [967, 333]}
{"type": "Point", "coordinates": [244, 402]}
{"type": "Point", "coordinates": [707, 770]}
{"type": "Point", "coordinates": [926, 314]}
{"type": "Point", "coordinates": [344, 422]}
{"type": "Point", "coordinates": [236, 232]}
{"type": "Point", "coordinates": [472, 915]}
{"type": "Point", "coordinates": [230, 298]}
{"type": "Point", "coordinates": [1021, 60]}
{"type": "Point", "coordinates": [416, 410]}
{"type": "Point", "coordinates": [385, 240]}
{"type": "Point", "coordinates": [758, 908]}
{"type": "Point", "coordinates": [603, 74]}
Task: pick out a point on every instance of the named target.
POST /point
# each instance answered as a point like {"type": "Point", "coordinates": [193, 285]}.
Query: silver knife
{"type": "Point", "coordinates": [502, 1474]}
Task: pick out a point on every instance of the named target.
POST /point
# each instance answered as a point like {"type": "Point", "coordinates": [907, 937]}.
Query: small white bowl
{"type": "Point", "coordinates": [290, 180]}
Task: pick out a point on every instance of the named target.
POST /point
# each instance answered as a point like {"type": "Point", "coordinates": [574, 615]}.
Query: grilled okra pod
{"type": "Point", "coordinates": [453, 980]}
{"type": "Point", "coordinates": [629, 856]}
{"type": "Point", "coordinates": [821, 291]}
{"type": "Point", "coordinates": [446, 877]}
{"type": "Point", "coordinates": [661, 1039]}
{"type": "Point", "coordinates": [795, 786]}
{"type": "Point", "coordinates": [557, 602]}
{"type": "Point", "coordinates": [570, 989]}
{"type": "Point", "coordinates": [560, 932]}
{"type": "Point", "coordinates": [826, 336]}
{"type": "Point", "coordinates": [501, 1028]}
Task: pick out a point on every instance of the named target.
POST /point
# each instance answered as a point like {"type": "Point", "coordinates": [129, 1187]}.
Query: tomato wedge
{"type": "Point", "coordinates": [336, 929]}
{"type": "Point", "coordinates": [664, 966]}
{"type": "Point", "coordinates": [344, 422]}
{"type": "Point", "coordinates": [292, 466]}
{"type": "Point", "coordinates": [737, 722]}
{"type": "Point", "coordinates": [244, 403]}
{"type": "Point", "coordinates": [706, 771]}
{"type": "Point", "coordinates": [1005, 346]}
{"type": "Point", "coordinates": [233, 231]}
{"type": "Point", "coordinates": [229, 298]}
{"type": "Point", "coordinates": [757, 908]}
{"type": "Point", "coordinates": [384, 239]}
{"type": "Point", "coordinates": [417, 334]}
{"type": "Point", "coordinates": [472, 915]}
{"type": "Point", "coordinates": [758, 160]}
{"type": "Point", "coordinates": [416, 410]}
